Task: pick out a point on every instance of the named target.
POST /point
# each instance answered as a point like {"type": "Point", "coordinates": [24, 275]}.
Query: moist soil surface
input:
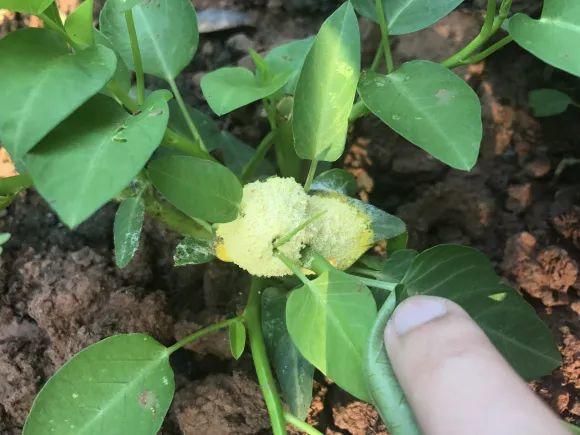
{"type": "Point", "coordinates": [60, 290]}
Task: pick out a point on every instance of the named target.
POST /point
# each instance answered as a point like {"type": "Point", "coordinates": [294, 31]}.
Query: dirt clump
{"type": "Point", "coordinates": [358, 418]}
{"type": "Point", "coordinates": [546, 274]}
{"type": "Point", "coordinates": [220, 405]}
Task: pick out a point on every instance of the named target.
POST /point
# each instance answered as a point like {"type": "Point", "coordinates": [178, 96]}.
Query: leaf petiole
{"type": "Point", "coordinates": [288, 236]}
{"type": "Point", "coordinates": [258, 156]}
{"type": "Point", "coordinates": [384, 35]}
{"type": "Point", "coordinates": [185, 113]}
{"type": "Point", "coordinates": [202, 332]}
{"type": "Point", "coordinates": [384, 285]}
{"type": "Point", "coordinates": [252, 316]}
{"type": "Point", "coordinates": [299, 424]}
{"type": "Point", "coordinates": [295, 268]}
{"type": "Point", "coordinates": [485, 33]}
{"type": "Point", "coordinates": [137, 60]}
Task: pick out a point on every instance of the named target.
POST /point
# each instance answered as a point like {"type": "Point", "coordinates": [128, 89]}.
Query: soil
{"type": "Point", "coordinates": [60, 290]}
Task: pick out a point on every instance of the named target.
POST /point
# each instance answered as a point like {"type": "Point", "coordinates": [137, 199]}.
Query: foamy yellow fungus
{"type": "Point", "coordinates": [276, 214]}
{"type": "Point", "coordinates": [269, 210]}
{"type": "Point", "coordinates": [343, 233]}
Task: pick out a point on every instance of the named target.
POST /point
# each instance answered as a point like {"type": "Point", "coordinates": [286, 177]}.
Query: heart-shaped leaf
{"type": "Point", "coordinates": [294, 373]}
{"type": "Point", "coordinates": [429, 106]}
{"type": "Point", "coordinates": [166, 31]}
{"type": "Point", "coordinates": [43, 83]}
{"type": "Point", "coordinates": [123, 384]}
{"type": "Point", "coordinates": [26, 6]}
{"type": "Point", "coordinates": [127, 229]}
{"type": "Point", "coordinates": [329, 318]}
{"type": "Point", "coordinates": [95, 153]}
{"type": "Point", "coordinates": [327, 87]}
{"type": "Point", "coordinates": [200, 188]}
{"type": "Point", "coordinates": [559, 26]}
{"type": "Point", "coordinates": [549, 102]}
{"type": "Point", "coordinates": [227, 89]}
{"type": "Point", "coordinates": [406, 16]}
{"type": "Point", "coordinates": [466, 276]}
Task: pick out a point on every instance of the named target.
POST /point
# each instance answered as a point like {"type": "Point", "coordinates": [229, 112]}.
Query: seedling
{"type": "Point", "coordinates": [81, 139]}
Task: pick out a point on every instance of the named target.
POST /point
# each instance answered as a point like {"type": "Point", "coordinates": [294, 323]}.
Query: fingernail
{"type": "Point", "coordinates": [416, 312]}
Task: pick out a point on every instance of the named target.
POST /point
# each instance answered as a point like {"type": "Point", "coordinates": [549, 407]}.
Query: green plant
{"type": "Point", "coordinates": [81, 139]}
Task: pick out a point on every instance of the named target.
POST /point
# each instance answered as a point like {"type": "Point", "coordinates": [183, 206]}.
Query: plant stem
{"type": "Point", "coordinates": [185, 113]}
{"type": "Point", "coordinates": [311, 173]}
{"type": "Point", "coordinates": [295, 268]}
{"type": "Point", "coordinates": [479, 40]}
{"type": "Point", "coordinates": [487, 52]}
{"type": "Point", "coordinates": [378, 57]}
{"type": "Point", "coordinates": [270, 113]}
{"type": "Point", "coordinates": [202, 332]}
{"type": "Point", "coordinates": [114, 88]}
{"type": "Point", "coordinates": [288, 236]}
{"type": "Point", "coordinates": [384, 35]}
{"type": "Point", "coordinates": [389, 286]}
{"type": "Point", "coordinates": [258, 156]}
{"type": "Point", "coordinates": [252, 317]}
{"type": "Point", "coordinates": [504, 10]}
{"type": "Point", "coordinates": [137, 60]}
{"type": "Point", "coordinates": [301, 425]}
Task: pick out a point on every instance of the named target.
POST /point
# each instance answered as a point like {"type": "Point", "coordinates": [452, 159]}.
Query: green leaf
{"type": "Point", "coordinates": [95, 153]}
{"type": "Point", "coordinates": [193, 251]}
{"type": "Point", "coordinates": [200, 188]}
{"type": "Point", "coordinates": [294, 373]}
{"type": "Point", "coordinates": [208, 129]}
{"type": "Point", "coordinates": [384, 225]}
{"type": "Point", "coordinates": [227, 89]}
{"type": "Point", "coordinates": [548, 102]}
{"type": "Point", "coordinates": [330, 321]}
{"type": "Point", "coordinates": [466, 276]}
{"type": "Point", "coordinates": [43, 83]}
{"type": "Point", "coordinates": [385, 392]}
{"type": "Point", "coordinates": [166, 31]}
{"type": "Point", "coordinates": [4, 237]}
{"type": "Point", "coordinates": [237, 334]}
{"type": "Point", "coordinates": [27, 6]}
{"type": "Point", "coordinates": [429, 106]}
{"type": "Point", "coordinates": [237, 154]}
{"type": "Point", "coordinates": [127, 229]}
{"type": "Point", "coordinates": [397, 243]}
{"type": "Point", "coordinates": [121, 384]}
{"type": "Point", "coordinates": [335, 180]}
{"type": "Point", "coordinates": [79, 24]}
{"type": "Point", "coordinates": [574, 430]}
{"type": "Point", "coordinates": [395, 267]}
{"type": "Point", "coordinates": [289, 57]}
{"type": "Point", "coordinates": [125, 5]}
{"type": "Point", "coordinates": [407, 16]}
{"type": "Point", "coordinates": [327, 87]}
{"type": "Point", "coordinates": [559, 26]}
{"type": "Point", "coordinates": [122, 74]}
{"type": "Point", "coordinates": [14, 184]}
